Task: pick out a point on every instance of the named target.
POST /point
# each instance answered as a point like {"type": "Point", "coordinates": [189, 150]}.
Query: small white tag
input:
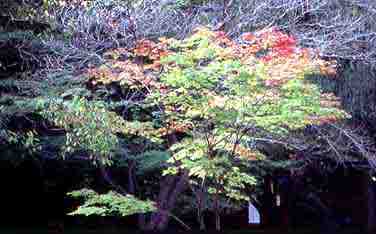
{"type": "Point", "coordinates": [278, 200]}
{"type": "Point", "coordinates": [253, 215]}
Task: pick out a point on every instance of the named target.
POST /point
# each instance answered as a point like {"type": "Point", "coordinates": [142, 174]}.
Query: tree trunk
{"type": "Point", "coordinates": [170, 188]}
{"type": "Point", "coordinates": [369, 202]}
{"type": "Point", "coordinates": [200, 209]}
{"type": "Point", "coordinates": [217, 221]}
{"type": "Point", "coordinates": [202, 221]}
{"type": "Point", "coordinates": [217, 215]}
{"type": "Point", "coordinates": [131, 179]}
{"type": "Point", "coordinates": [132, 190]}
{"type": "Point", "coordinates": [107, 177]}
{"type": "Point", "coordinates": [328, 224]}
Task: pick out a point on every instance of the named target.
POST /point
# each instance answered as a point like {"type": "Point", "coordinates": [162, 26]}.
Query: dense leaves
{"type": "Point", "coordinates": [90, 127]}
{"type": "Point", "coordinates": [110, 203]}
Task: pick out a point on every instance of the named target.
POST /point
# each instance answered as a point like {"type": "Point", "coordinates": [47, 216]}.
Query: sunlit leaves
{"type": "Point", "coordinates": [111, 203]}
{"type": "Point", "coordinates": [210, 74]}
{"type": "Point", "coordinates": [220, 173]}
{"type": "Point", "coordinates": [89, 126]}
{"type": "Point", "coordinates": [123, 72]}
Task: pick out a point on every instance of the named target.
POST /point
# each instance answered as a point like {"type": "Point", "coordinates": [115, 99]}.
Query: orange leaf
{"type": "Point", "coordinates": [248, 37]}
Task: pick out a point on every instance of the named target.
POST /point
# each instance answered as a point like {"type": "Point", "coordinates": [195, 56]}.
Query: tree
{"type": "Point", "coordinates": [212, 100]}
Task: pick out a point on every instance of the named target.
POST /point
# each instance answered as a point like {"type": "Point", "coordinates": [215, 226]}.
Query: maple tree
{"type": "Point", "coordinates": [213, 98]}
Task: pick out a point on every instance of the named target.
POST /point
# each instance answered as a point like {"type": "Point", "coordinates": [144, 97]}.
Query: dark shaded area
{"type": "Point", "coordinates": [34, 192]}
{"type": "Point", "coordinates": [22, 194]}
{"type": "Point", "coordinates": [33, 195]}
{"type": "Point", "coordinates": [18, 55]}
{"type": "Point", "coordinates": [10, 24]}
{"type": "Point", "coordinates": [10, 59]}
{"type": "Point", "coordinates": [355, 85]}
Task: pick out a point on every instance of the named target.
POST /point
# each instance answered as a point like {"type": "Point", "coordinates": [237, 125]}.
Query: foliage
{"type": "Point", "coordinates": [223, 95]}
{"type": "Point", "coordinates": [110, 203]}
{"type": "Point", "coordinates": [4, 134]}
{"type": "Point", "coordinates": [213, 99]}
{"type": "Point", "coordinates": [152, 160]}
{"type": "Point", "coordinates": [188, 3]}
{"type": "Point", "coordinates": [89, 126]}
{"type": "Point", "coordinates": [28, 140]}
{"type": "Point", "coordinates": [18, 8]}
{"type": "Point", "coordinates": [24, 143]}
{"type": "Point", "coordinates": [219, 175]}
{"type": "Point", "coordinates": [211, 82]}
{"type": "Point", "coordinates": [207, 78]}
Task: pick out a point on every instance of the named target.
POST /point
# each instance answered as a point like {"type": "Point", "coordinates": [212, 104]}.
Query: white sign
{"type": "Point", "coordinates": [253, 215]}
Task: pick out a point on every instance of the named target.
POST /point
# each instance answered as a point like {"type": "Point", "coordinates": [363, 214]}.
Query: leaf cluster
{"type": "Point", "coordinates": [89, 126]}
{"type": "Point", "coordinates": [110, 203]}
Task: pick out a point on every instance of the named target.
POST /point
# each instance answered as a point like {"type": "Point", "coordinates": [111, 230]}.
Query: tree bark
{"type": "Point", "coordinates": [369, 202]}
{"type": "Point", "coordinates": [328, 224]}
{"type": "Point", "coordinates": [217, 221]}
{"type": "Point", "coordinates": [109, 180]}
{"type": "Point", "coordinates": [170, 188]}
{"type": "Point", "coordinates": [200, 209]}
{"type": "Point", "coordinates": [133, 190]}
{"type": "Point", "coordinates": [217, 212]}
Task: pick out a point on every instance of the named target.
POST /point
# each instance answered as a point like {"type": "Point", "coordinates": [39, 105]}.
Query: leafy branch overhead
{"type": "Point", "coordinates": [89, 126]}
{"type": "Point", "coordinates": [110, 203]}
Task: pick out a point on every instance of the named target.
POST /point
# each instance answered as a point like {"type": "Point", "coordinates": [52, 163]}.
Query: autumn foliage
{"type": "Point", "coordinates": [198, 107]}
{"type": "Point", "coordinates": [272, 54]}
{"type": "Point", "coordinates": [211, 88]}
